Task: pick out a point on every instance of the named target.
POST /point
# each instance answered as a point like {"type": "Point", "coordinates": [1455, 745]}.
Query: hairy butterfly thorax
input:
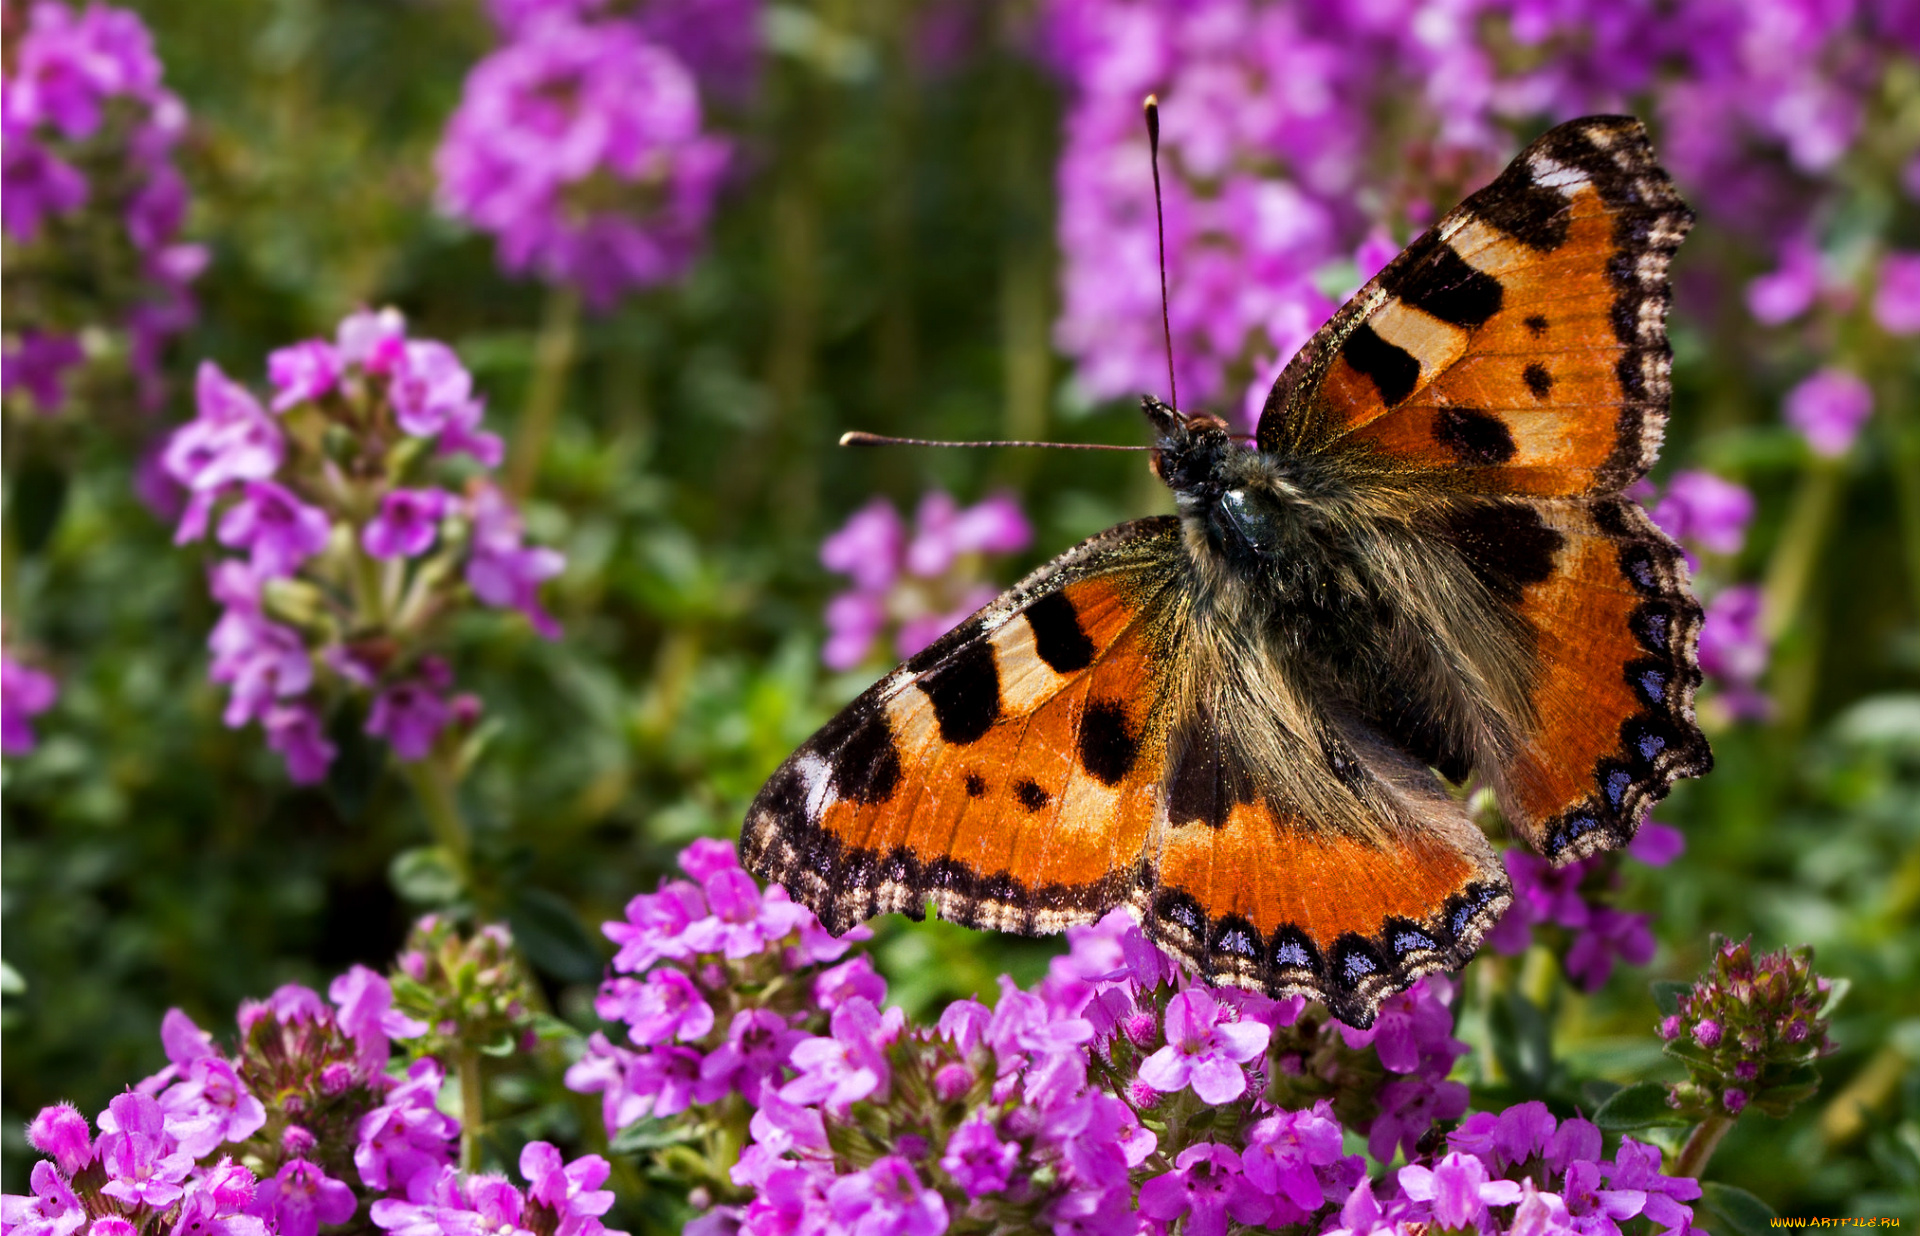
{"type": "Point", "coordinates": [1250, 722]}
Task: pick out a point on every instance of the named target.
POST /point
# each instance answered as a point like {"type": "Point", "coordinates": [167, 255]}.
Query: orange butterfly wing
{"type": "Point", "coordinates": [1045, 762]}
{"type": "Point", "coordinates": [1511, 368]}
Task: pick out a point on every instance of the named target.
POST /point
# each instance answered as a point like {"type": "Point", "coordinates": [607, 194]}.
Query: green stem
{"type": "Point", "coordinates": [1791, 569]}
{"type": "Point", "coordinates": [552, 358]}
{"type": "Point", "coordinates": [472, 1103]}
{"type": "Point", "coordinates": [1904, 432]}
{"type": "Point", "coordinates": [433, 784]}
{"type": "Point", "coordinates": [1700, 1146]}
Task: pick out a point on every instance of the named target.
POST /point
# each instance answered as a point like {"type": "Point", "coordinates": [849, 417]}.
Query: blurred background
{"type": "Point", "coordinates": [681, 245]}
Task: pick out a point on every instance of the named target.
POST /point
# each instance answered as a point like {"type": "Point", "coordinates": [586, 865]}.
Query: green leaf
{"type": "Point", "coordinates": [1597, 1092]}
{"type": "Point", "coordinates": [1523, 1042]}
{"type": "Point", "coordinates": [1740, 1210]}
{"type": "Point", "coordinates": [1642, 1105]}
{"type": "Point", "coordinates": [1666, 996]}
{"type": "Point", "coordinates": [425, 875]}
{"type": "Point", "coordinates": [649, 1134]}
{"type": "Point", "coordinates": [552, 937]}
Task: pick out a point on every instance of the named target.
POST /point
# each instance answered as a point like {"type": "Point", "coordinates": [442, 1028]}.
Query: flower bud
{"type": "Point", "coordinates": [952, 1081]}
{"type": "Point", "coordinates": [297, 1142]}
{"type": "Point", "coordinates": [336, 1078]}
{"type": "Point", "coordinates": [1141, 1029]}
{"type": "Point", "coordinates": [1706, 1032]}
{"type": "Point", "coordinates": [1141, 1096]}
{"type": "Point", "coordinates": [1735, 1099]}
{"type": "Point", "coordinates": [1670, 1027]}
{"type": "Point", "coordinates": [1747, 1070]}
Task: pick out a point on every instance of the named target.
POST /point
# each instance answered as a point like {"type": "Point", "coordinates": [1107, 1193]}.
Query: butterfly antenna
{"type": "Point", "coordinates": [860, 438]}
{"type": "Point", "coordinates": [1160, 226]}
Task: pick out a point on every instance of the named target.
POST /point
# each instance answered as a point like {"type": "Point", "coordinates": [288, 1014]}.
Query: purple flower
{"type": "Point", "coordinates": [408, 521]}
{"type": "Point", "coordinates": [867, 547]}
{"type": "Point", "coordinates": [1609, 934]}
{"type": "Point", "coordinates": [570, 1190]}
{"type": "Point", "coordinates": [1789, 290]}
{"type": "Point", "coordinates": [61, 1131]}
{"type": "Point", "coordinates": [1636, 1166]}
{"type": "Point", "coordinates": [1284, 1151]}
{"type": "Point", "coordinates": [37, 361]}
{"type": "Point", "coordinates": [211, 1105]}
{"type": "Point", "coordinates": [849, 1065]}
{"type": "Point", "coordinates": [143, 1168]}
{"type": "Point", "coordinates": [429, 387]}
{"type": "Point", "coordinates": [758, 1044]}
{"type": "Point", "coordinates": [298, 1198]}
{"type": "Point", "coordinates": [1206, 1186]}
{"type": "Point", "coordinates": [669, 1077]}
{"type": "Point", "coordinates": [52, 1210]}
{"type": "Point", "coordinates": [849, 979]}
{"type": "Point", "coordinates": [25, 693]}
{"type": "Point", "coordinates": [976, 1158]}
{"type": "Point", "coordinates": [501, 571]}
{"type": "Point", "coordinates": [1734, 649]}
{"type": "Point", "coordinates": [1656, 844]}
{"type": "Point", "coordinates": [373, 341]}
{"type": "Point", "coordinates": [943, 532]}
{"type": "Point", "coordinates": [231, 439]}
{"type": "Point", "coordinates": [301, 372]}
{"type": "Point", "coordinates": [38, 184]}
{"type": "Point", "coordinates": [279, 531]}
{"type": "Point", "coordinates": [609, 1071]}
{"type": "Point", "coordinates": [1896, 302]}
{"type": "Point", "coordinates": [887, 1199]}
{"type": "Point", "coordinates": [655, 927]}
{"type": "Point", "coordinates": [742, 920]}
{"type": "Point", "coordinates": [1828, 409]}
{"type": "Point", "coordinates": [1205, 1049]}
{"type": "Point", "coordinates": [367, 1016]}
{"type": "Point", "coordinates": [667, 1006]}
{"type": "Point", "coordinates": [1457, 1190]}
{"type": "Point", "coordinates": [296, 732]}
{"type": "Point", "coordinates": [1710, 512]}
{"type": "Point", "coordinates": [409, 714]}
{"type": "Point", "coordinates": [580, 148]}
{"type": "Point", "coordinates": [406, 1135]}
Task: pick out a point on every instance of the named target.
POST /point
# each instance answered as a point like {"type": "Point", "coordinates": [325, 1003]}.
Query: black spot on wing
{"type": "Point", "coordinates": [1392, 369]}
{"type": "Point", "coordinates": [976, 785]}
{"type": "Point", "coordinates": [1207, 780]}
{"type": "Point", "coordinates": [1438, 281]}
{"type": "Point", "coordinates": [1538, 380]}
{"type": "Point", "coordinates": [1506, 545]}
{"type": "Point", "coordinates": [865, 764]}
{"type": "Point", "coordinates": [1474, 437]}
{"type": "Point", "coordinates": [965, 691]}
{"type": "Point", "coordinates": [1536, 325]}
{"type": "Point", "coordinates": [1291, 953]}
{"type": "Point", "coordinates": [1235, 938]}
{"type": "Point", "coordinates": [1530, 213]}
{"type": "Point", "coordinates": [1031, 796]}
{"type": "Point", "coordinates": [1108, 747]}
{"type": "Point", "coordinates": [1057, 635]}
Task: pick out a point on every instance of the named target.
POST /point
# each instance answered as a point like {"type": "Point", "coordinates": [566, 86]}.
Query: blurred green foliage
{"type": "Point", "coordinates": [882, 261]}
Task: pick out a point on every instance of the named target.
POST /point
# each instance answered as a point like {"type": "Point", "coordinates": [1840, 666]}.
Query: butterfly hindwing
{"type": "Point", "coordinates": [1009, 773]}
{"type": "Point", "coordinates": [1518, 347]}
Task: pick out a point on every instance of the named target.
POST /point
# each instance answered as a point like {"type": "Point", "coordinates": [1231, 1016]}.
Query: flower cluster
{"type": "Point", "coordinates": [1114, 1096]}
{"type": "Point", "coordinates": [93, 203]}
{"type": "Point", "coordinates": [923, 586]}
{"type": "Point", "coordinates": [1592, 935]}
{"type": "Point", "coordinates": [1291, 160]}
{"type": "Point", "coordinates": [268, 1140]}
{"type": "Point", "coordinates": [561, 1198]}
{"type": "Point", "coordinates": [25, 693]}
{"type": "Point", "coordinates": [352, 551]}
{"type": "Point", "coordinates": [464, 987]}
{"type": "Point", "coordinates": [1748, 1033]}
{"type": "Point", "coordinates": [719, 40]}
{"type": "Point", "coordinates": [579, 147]}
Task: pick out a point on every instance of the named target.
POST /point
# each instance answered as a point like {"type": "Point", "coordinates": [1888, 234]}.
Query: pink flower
{"type": "Point", "coordinates": [1828, 409]}
{"type": "Point", "coordinates": [25, 693]}
{"type": "Point", "coordinates": [1206, 1186]}
{"type": "Point", "coordinates": [408, 521]}
{"type": "Point", "coordinates": [211, 1105]}
{"type": "Point", "coordinates": [37, 361]}
{"type": "Point", "coordinates": [501, 571]}
{"type": "Point", "coordinates": [301, 372]}
{"type": "Point", "coordinates": [406, 1135]}
{"type": "Point", "coordinates": [1457, 1190]}
{"type": "Point", "coordinates": [1790, 289]}
{"type": "Point", "coordinates": [410, 715]}
{"type": "Point", "coordinates": [849, 979]}
{"type": "Point", "coordinates": [280, 530]}
{"type": "Point", "coordinates": [367, 1016]}
{"type": "Point", "coordinates": [429, 386]}
{"type": "Point", "coordinates": [1896, 302]}
{"type": "Point", "coordinates": [1284, 1150]}
{"type": "Point", "coordinates": [943, 532]}
{"type": "Point", "coordinates": [61, 1131]}
{"type": "Point", "coordinates": [849, 1065]}
{"type": "Point", "coordinates": [300, 1197]}
{"type": "Point", "coordinates": [1702, 508]}
{"type": "Point", "coordinates": [143, 1168]}
{"type": "Point", "coordinates": [295, 731]}
{"type": "Point", "coordinates": [667, 1006]}
{"type": "Point", "coordinates": [570, 1190]}
{"type": "Point", "coordinates": [1656, 844]}
{"type": "Point", "coordinates": [976, 1158]}
{"type": "Point", "coordinates": [1204, 1049]}
{"type": "Point", "coordinates": [887, 1199]}
{"type": "Point", "coordinates": [52, 1210]}
{"type": "Point", "coordinates": [867, 547]}
{"type": "Point", "coordinates": [1611, 933]}
{"type": "Point", "coordinates": [759, 1042]}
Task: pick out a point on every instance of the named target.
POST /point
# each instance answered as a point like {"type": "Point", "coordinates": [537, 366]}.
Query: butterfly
{"type": "Point", "coordinates": [1252, 722]}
